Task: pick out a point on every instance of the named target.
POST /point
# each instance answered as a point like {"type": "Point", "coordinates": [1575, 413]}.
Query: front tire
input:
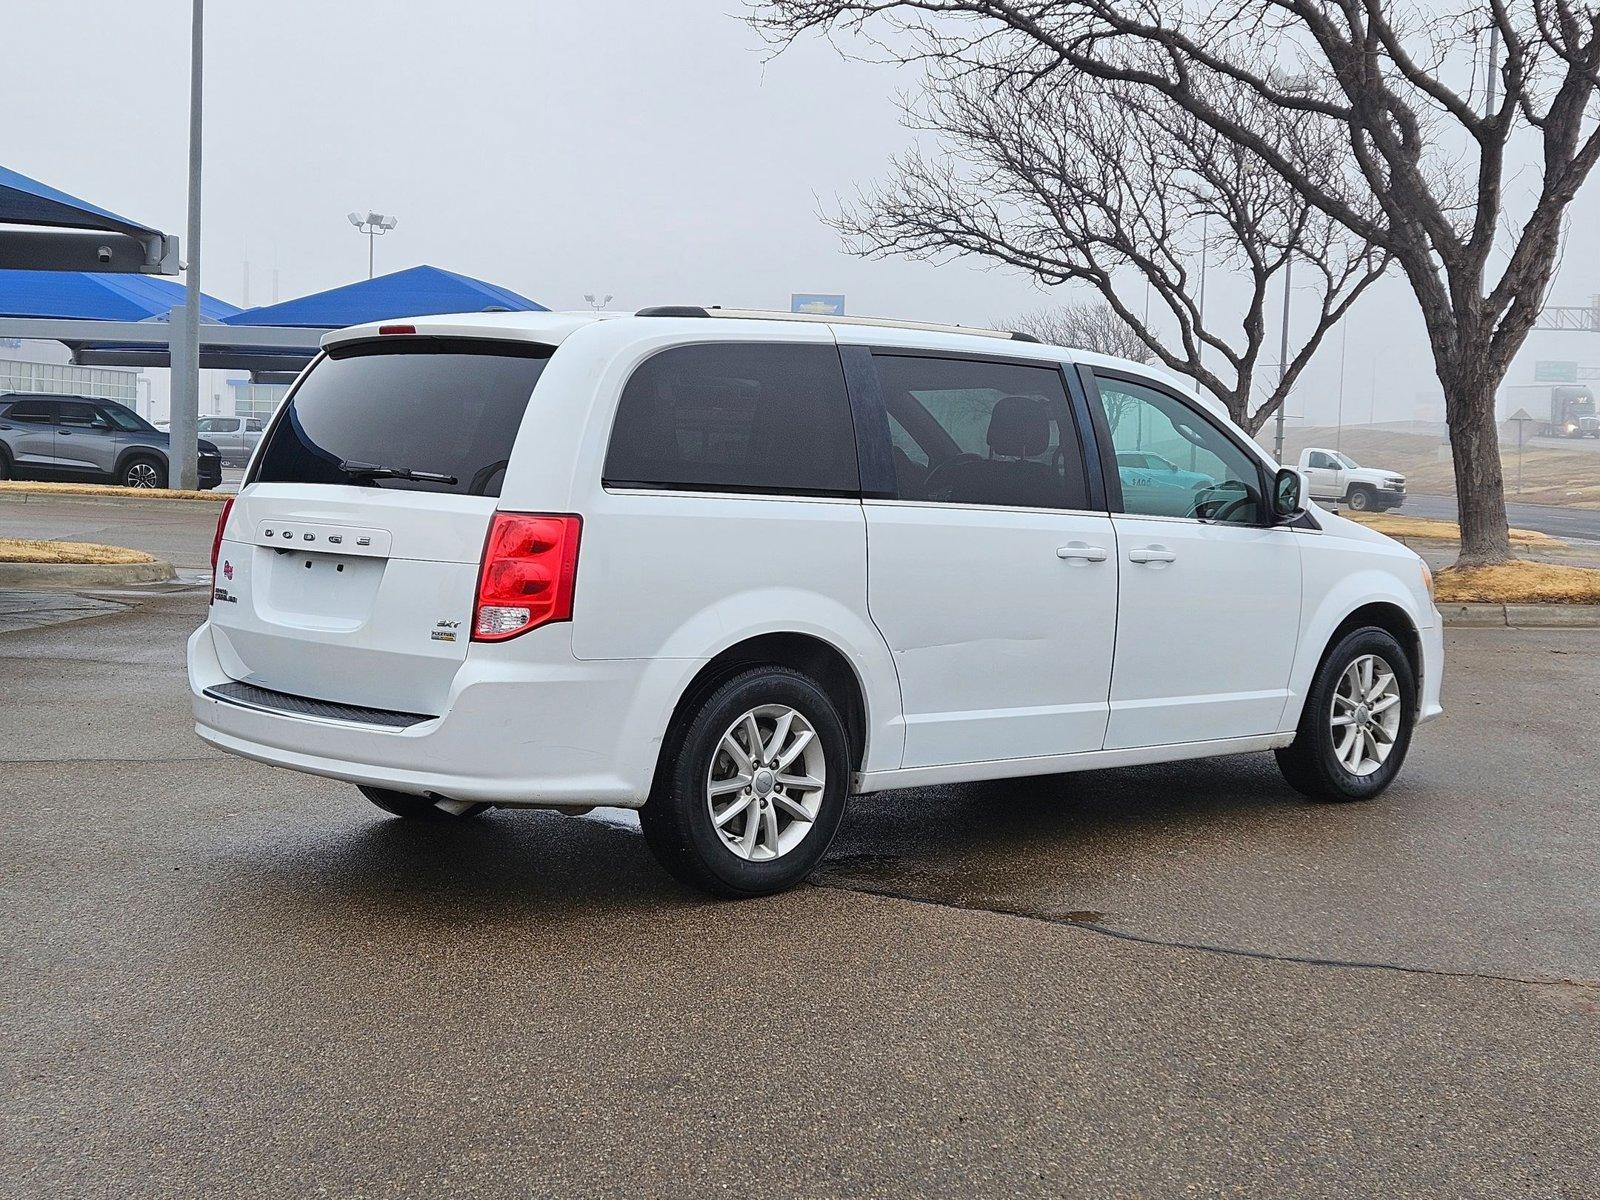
{"type": "Point", "coordinates": [1356, 726]}
{"type": "Point", "coordinates": [420, 808]}
{"type": "Point", "coordinates": [1360, 499]}
{"type": "Point", "coordinates": [752, 785]}
{"type": "Point", "coordinates": [144, 472]}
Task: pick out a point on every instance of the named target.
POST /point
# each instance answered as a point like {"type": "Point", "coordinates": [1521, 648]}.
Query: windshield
{"type": "Point", "coordinates": [423, 414]}
{"type": "Point", "coordinates": [127, 420]}
{"type": "Point", "coordinates": [1345, 461]}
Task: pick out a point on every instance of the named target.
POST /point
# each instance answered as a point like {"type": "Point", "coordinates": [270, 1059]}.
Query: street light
{"type": "Point", "coordinates": [373, 225]}
{"type": "Point", "coordinates": [596, 302]}
{"type": "Point", "coordinates": [1283, 357]}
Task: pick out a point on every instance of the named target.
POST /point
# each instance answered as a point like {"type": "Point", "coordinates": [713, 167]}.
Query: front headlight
{"type": "Point", "coordinates": [1427, 577]}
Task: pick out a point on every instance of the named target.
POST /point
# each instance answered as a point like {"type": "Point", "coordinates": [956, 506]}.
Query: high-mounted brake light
{"type": "Point", "coordinates": [530, 563]}
{"type": "Point", "coordinates": [386, 329]}
{"type": "Point", "coordinates": [216, 540]}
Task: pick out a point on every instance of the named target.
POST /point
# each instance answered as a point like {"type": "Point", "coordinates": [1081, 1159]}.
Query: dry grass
{"type": "Point", "coordinates": [105, 489]}
{"type": "Point", "coordinates": [1431, 530]}
{"type": "Point", "coordinates": [1518, 583]}
{"type": "Point", "coordinates": [27, 550]}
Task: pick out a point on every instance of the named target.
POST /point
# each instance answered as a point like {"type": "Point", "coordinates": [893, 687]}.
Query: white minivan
{"type": "Point", "coordinates": [729, 568]}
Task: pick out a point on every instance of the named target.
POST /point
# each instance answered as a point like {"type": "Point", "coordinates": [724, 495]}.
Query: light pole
{"type": "Point", "coordinates": [184, 348]}
{"type": "Point", "coordinates": [1200, 319]}
{"type": "Point", "coordinates": [1283, 359]}
{"type": "Point", "coordinates": [374, 225]}
{"type": "Point", "coordinates": [1338, 431]}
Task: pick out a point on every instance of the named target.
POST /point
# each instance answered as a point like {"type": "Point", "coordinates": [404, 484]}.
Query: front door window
{"type": "Point", "coordinates": [1173, 462]}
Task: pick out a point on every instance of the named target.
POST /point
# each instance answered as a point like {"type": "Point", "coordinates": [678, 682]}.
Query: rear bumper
{"type": "Point", "coordinates": [568, 732]}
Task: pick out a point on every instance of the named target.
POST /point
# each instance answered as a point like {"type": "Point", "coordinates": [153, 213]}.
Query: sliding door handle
{"type": "Point", "coordinates": [1081, 552]}
{"type": "Point", "coordinates": [1151, 554]}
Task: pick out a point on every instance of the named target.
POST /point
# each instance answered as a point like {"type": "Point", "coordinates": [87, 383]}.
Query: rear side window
{"type": "Point", "coordinates": [369, 413]}
{"type": "Point", "coordinates": [736, 417]}
{"type": "Point", "coordinates": [971, 432]}
{"type": "Point", "coordinates": [33, 412]}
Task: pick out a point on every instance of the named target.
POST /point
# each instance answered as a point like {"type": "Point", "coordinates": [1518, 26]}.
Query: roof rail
{"type": "Point", "coordinates": [762, 314]}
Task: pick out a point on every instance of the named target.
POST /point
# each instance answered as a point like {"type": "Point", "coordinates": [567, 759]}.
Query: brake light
{"type": "Point", "coordinates": [384, 330]}
{"type": "Point", "coordinates": [216, 539]}
{"type": "Point", "coordinates": [530, 563]}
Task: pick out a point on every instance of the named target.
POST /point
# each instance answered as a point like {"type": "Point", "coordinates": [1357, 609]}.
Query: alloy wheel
{"type": "Point", "coordinates": [1365, 715]}
{"type": "Point", "coordinates": [765, 785]}
{"type": "Point", "coordinates": [142, 475]}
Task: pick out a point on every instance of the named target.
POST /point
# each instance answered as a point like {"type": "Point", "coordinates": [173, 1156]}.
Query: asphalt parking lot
{"type": "Point", "coordinates": [226, 980]}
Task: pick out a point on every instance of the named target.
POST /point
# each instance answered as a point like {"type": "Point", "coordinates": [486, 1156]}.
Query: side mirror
{"type": "Point", "coordinates": [1285, 493]}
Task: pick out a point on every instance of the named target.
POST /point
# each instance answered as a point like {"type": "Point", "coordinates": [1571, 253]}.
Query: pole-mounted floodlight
{"type": "Point", "coordinates": [596, 303]}
{"type": "Point", "coordinates": [373, 225]}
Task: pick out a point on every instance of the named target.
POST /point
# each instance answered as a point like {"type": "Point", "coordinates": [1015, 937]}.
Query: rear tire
{"type": "Point", "coordinates": [730, 823]}
{"type": "Point", "coordinates": [143, 471]}
{"type": "Point", "coordinates": [1323, 762]}
{"type": "Point", "coordinates": [419, 808]}
{"type": "Point", "coordinates": [5, 465]}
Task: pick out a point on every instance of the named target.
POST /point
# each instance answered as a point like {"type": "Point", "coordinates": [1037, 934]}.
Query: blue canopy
{"type": "Point", "coordinates": [93, 297]}
{"type": "Point", "coordinates": [415, 292]}
{"type": "Point", "coordinates": [43, 228]}
{"type": "Point", "coordinates": [25, 201]}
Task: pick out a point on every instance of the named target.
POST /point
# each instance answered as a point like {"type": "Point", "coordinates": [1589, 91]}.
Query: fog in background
{"type": "Point", "coordinates": [646, 148]}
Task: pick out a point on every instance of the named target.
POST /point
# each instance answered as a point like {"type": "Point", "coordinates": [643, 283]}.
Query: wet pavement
{"type": "Point", "coordinates": [227, 980]}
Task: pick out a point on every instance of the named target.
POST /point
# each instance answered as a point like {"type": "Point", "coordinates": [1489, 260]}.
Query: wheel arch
{"type": "Point", "coordinates": [1384, 613]}
{"type": "Point", "coordinates": [812, 656]}
{"type": "Point", "coordinates": [127, 455]}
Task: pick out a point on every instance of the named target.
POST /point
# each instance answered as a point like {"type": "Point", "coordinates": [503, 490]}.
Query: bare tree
{"type": "Point", "coordinates": [1424, 168]}
{"type": "Point", "coordinates": [1089, 327]}
{"type": "Point", "coordinates": [1084, 327]}
{"type": "Point", "coordinates": [1075, 181]}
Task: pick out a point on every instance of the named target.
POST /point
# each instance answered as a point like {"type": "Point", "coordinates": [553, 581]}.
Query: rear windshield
{"type": "Point", "coordinates": [370, 413]}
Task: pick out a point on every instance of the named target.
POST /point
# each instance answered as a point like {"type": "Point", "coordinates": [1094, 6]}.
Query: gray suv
{"type": "Point", "coordinates": [82, 439]}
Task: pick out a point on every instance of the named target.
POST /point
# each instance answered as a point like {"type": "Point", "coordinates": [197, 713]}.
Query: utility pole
{"type": "Point", "coordinates": [184, 444]}
{"type": "Point", "coordinates": [1494, 63]}
{"type": "Point", "coordinates": [1283, 360]}
{"type": "Point", "coordinates": [1338, 429]}
{"type": "Point", "coordinates": [1200, 319]}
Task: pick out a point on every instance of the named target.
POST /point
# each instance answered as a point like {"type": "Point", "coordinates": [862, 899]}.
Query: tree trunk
{"type": "Point", "coordinates": [1480, 485]}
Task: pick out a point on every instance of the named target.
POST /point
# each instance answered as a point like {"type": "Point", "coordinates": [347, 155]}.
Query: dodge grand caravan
{"type": "Point", "coordinates": [731, 568]}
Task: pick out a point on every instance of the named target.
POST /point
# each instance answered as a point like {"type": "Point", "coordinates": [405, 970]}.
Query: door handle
{"type": "Point", "coordinates": [1081, 552]}
{"type": "Point", "coordinates": [63, 433]}
{"type": "Point", "coordinates": [1151, 554]}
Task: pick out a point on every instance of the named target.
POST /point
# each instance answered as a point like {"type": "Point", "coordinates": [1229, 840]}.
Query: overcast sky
{"type": "Point", "coordinates": [645, 148]}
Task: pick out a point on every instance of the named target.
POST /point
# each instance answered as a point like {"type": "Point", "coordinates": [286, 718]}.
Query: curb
{"type": "Point", "coordinates": [1523, 616]}
{"type": "Point", "coordinates": [50, 576]}
{"type": "Point", "coordinates": [17, 497]}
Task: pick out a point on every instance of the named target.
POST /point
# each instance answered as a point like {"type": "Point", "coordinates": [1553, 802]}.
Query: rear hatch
{"type": "Point", "coordinates": [351, 558]}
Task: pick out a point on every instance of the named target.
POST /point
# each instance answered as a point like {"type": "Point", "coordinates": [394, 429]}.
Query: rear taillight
{"type": "Point", "coordinates": [530, 563]}
{"type": "Point", "coordinates": [216, 539]}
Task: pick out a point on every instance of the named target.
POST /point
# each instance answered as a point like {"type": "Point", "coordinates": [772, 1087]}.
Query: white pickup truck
{"type": "Point", "coordinates": [1337, 478]}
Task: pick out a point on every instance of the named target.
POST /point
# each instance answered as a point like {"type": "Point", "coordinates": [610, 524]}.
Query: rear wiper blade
{"type": "Point", "coordinates": [374, 471]}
